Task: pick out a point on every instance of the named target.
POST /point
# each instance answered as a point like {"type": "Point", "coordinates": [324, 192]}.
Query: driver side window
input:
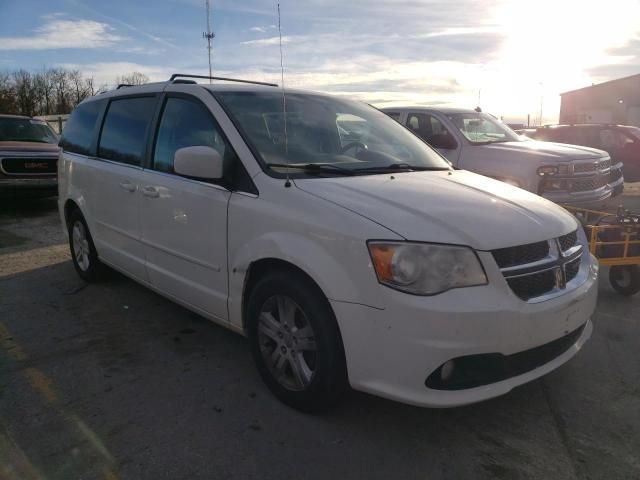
{"type": "Point", "coordinates": [431, 130]}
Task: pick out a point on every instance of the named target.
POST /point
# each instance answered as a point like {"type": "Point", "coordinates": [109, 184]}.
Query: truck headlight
{"type": "Point", "coordinates": [424, 268]}
{"type": "Point", "coordinates": [547, 170]}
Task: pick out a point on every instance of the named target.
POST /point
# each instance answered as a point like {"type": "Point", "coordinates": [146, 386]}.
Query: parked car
{"type": "Point", "coordinates": [349, 254]}
{"type": "Point", "coordinates": [28, 157]}
{"type": "Point", "coordinates": [620, 141]}
{"type": "Point", "coordinates": [480, 143]}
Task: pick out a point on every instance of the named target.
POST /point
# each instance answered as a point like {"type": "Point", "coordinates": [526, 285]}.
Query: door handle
{"type": "Point", "coordinates": [150, 192]}
{"type": "Point", "coordinates": [128, 186]}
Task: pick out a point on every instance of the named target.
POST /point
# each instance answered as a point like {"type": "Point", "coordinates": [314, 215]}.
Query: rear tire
{"type": "Point", "coordinates": [625, 279]}
{"type": "Point", "coordinates": [83, 251]}
{"type": "Point", "coordinates": [295, 341]}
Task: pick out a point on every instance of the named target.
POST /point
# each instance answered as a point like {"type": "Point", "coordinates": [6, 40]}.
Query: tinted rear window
{"type": "Point", "coordinates": [125, 128]}
{"type": "Point", "coordinates": [77, 134]}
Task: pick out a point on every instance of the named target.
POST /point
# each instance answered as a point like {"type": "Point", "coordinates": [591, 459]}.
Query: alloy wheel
{"type": "Point", "coordinates": [81, 248]}
{"type": "Point", "coordinates": [287, 342]}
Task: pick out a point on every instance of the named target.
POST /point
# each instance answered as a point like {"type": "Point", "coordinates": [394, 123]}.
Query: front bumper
{"type": "Point", "coordinates": [580, 198]}
{"type": "Point", "coordinates": [392, 352]}
{"type": "Point", "coordinates": [36, 187]}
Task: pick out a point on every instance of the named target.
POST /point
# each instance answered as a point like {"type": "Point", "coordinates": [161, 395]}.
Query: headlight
{"type": "Point", "coordinates": [547, 170]}
{"type": "Point", "coordinates": [425, 269]}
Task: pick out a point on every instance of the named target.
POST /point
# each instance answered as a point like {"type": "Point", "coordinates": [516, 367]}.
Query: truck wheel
{"type": "Point", "coordinates": [625, 279]}
{"type": "Point", "coordinates": [83, 251]}
{"type": "Point", "coordinates": [295, 341]}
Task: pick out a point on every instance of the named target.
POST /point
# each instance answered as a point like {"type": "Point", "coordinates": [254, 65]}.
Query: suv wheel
{"type": "Point", "coordinates": [295, 342]}
{"type": "Point", "coordinates": [83, 251]}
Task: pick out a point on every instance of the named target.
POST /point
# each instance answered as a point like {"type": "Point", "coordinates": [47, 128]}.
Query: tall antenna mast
{"type": "Point", "coordinates": [209, 35]}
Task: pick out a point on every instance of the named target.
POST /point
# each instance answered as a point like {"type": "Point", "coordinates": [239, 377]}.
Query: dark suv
{"type": "Point", "coordinates": [621, 142]}
{"type": "Point", "coordinates": [28, 157]}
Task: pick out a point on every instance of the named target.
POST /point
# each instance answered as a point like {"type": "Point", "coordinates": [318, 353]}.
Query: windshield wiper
{"type": "Point", "coordinates": [329, 168]}
{"type": "Point", "coordinates": [401, 167]}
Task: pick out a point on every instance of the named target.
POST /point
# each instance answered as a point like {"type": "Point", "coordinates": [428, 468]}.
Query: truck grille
{"type": "Point", "coordinates": [540, 268]}
{"type": "Point", "coordinates": [589, 184]}
{"type": "Point", "coordinates": [616, 174]}
{"type": "Point", "coordinates": [591, 166]}
{"type": "Point", "coordinates": [28, 166]}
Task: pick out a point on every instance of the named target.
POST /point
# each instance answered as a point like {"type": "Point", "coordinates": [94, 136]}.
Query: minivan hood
{"type": "Point", "coordinates": [28, 147]}
{"type": "Point", "coordinates": [456, 207]}
{"type": "Point", "coordinates": [548, 150]}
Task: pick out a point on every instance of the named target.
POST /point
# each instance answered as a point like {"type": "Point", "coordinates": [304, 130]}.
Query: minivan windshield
{"type": "Point", "coordinates": [481, 128]}
{"type": "Point", "coordinates": [25, 130]}
{"type": "Point", "coordinates": [325, 135]}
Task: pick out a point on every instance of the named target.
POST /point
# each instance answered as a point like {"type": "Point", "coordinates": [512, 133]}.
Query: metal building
{"type": "Point", "coordinates": [616, 101]}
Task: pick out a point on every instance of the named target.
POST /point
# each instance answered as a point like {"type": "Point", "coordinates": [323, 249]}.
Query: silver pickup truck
{"type": "Point", "coordinates": [478, 142]}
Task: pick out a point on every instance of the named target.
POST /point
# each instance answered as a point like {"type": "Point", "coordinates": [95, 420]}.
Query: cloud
{"type": "Point", "coordinates": [262, 29]}
{"type": "Point", "coordinates": [56, 34]}
{"type": "Point", "coordinates": [270, 41]}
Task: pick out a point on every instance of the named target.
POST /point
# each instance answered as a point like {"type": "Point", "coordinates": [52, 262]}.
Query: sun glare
{"type": "Point", "coordinates": [550, 46]}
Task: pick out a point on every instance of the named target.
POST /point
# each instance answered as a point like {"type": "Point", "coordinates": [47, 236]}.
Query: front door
{"type": "Point", "coordinates": [184, 221]}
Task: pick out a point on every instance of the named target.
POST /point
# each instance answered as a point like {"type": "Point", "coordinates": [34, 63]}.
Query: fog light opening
{"type": "Point", "coordinates": [447, 370]}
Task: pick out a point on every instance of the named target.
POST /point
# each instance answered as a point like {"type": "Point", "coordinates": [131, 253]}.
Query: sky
{"type": "Point", "coordinates": [509, 56]}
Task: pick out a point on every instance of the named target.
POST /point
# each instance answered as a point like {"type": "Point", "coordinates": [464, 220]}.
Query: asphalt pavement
{"type": "Point", "coordinates": [112, 381]}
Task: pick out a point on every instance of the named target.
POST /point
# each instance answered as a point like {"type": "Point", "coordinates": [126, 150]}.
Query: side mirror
{"type": "Point", "coordinates": [198, 162]}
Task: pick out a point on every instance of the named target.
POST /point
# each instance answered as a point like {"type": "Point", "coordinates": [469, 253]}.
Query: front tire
{"type": "Point", "coordinates": [295, 341]}
{"type": "Point", "coordinates": [83, 251]}
{"type": "Point", "coordinates": [625, 279]}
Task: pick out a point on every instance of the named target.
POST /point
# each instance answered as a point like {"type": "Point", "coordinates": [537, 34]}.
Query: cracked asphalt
{"type": "Point", "coordinates": [113, 381]}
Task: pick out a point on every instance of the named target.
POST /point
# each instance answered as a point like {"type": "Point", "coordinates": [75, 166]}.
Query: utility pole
{"type": "Point", "coordinates": [209, 36]}
{"type": "Point", "coordinates": [541, 99]}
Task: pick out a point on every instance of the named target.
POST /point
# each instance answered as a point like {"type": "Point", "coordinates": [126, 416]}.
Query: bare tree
{"type": "Point", "coordinates": [79, 86]}
{"type": "Point", "coordinates": [51, 90]}
{"type": "Point", "coordinates": [133, 78]}
{"type": "Point", "coordinates": [61, 88]}
{"type": "Point", "coordinates": [7, 94]}
{"type": "Point", "coordinates": [26, 92]}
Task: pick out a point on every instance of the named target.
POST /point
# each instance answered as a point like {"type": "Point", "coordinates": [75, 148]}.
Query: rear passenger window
{"type": "Point", "coordinates": [77, 134]}
{"type": "Point", "coordinates": [124, 131]}
{"type": "Point", "coordinates": [187, 123]}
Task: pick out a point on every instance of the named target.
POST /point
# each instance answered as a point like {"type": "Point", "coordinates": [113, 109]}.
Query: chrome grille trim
{"type": "Point", "coordinates": [531, 281]}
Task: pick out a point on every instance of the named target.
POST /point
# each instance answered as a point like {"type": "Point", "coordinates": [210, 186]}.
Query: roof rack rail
{"type": "Point", "coordinates": [176, 75]}
{"type": "Point", "coordinates": [120, 85]}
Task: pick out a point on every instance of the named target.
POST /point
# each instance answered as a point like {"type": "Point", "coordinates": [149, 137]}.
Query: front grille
{"type": "Point", "coordinates": [589, 184]}
{"type": "Point", "coordinates": [591, 166]}
{"type": "Point", "coordinates": [602, 164]}
{"type": "Point", "coordinates": [571, 269]}
{"type": "Point", "coordinates": [537, 269]}
{"type": "Point", "coordinates": [584, 167]}
{"type": "Point", "coordinates": [534, 285]}
{"type": "Point", "coordinates": [616, 174]}
{"type": "Point", "coordinates": [569, 240]}
{"type": "Point", "coordinates": [511, 256]}
{"type": "Point", "coordinates": [29, 165]}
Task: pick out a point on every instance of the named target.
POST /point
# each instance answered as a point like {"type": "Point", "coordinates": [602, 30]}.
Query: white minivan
{"type": "Point", "coordinates": [346, 249]}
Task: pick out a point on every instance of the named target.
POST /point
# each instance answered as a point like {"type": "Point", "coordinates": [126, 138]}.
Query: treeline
{"type": "Point", "coordinates": [52, 91]}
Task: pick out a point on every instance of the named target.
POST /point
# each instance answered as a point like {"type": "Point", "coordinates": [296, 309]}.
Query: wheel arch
{"type": "Point", "coordinates": [258, 268]}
